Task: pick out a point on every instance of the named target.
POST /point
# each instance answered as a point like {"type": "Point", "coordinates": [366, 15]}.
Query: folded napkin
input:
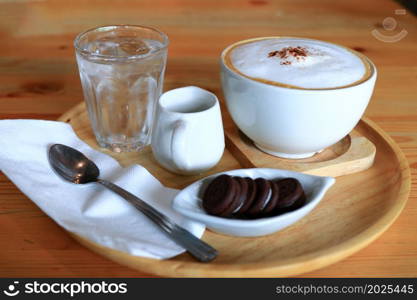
{"type": "Point", "coordinates": [88, 210]}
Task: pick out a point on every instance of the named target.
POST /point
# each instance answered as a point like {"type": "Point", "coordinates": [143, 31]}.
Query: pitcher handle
{"type": "Point", "coordinates": [178, 143]}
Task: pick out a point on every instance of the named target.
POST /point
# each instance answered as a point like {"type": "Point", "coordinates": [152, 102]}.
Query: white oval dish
{"type": "Point", "coordinates": [188, 202]}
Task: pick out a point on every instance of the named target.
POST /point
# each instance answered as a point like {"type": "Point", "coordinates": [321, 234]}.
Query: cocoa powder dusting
{"type": "Point", "coordinates": [299, 53]}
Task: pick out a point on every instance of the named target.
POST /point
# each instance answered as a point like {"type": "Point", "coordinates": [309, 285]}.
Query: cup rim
{"type": "Point", "coordinates": [81, 51]}
{"type": "Point", "coordinates": [213, 101]}
{"type": "Point", "coordinates": [371, 75]}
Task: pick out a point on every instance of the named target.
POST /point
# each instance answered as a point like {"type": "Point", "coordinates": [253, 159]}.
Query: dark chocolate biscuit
{"type": "Point", "coordinates": [219, 194]}
{"type": "Point", "coordinates": [263, 195]}
{"type": "Point", "coordinates": [241, 188]}
{"type": "Point", "coordinates": [290, 190]}
{"type": "Point", "coordinates": [250, 196]}
{"type": "Point", "coordinates": [242, 196]}
{"type": "Point", "coordinates": [270, 206]}
{"type": "Point", "coordinates": [296, 205]}
{"type": "Point", "coordinates": [227, 196]}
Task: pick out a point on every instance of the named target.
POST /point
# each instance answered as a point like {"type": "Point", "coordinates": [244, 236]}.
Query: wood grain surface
{"type": "Point", "coordinates": [39, 80]}
{"type": "Point", "coordinates": [354, 153]}
{"type": "Point", "coordinates": [352, 214]}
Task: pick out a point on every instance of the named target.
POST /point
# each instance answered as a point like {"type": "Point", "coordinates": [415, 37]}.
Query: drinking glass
{"type": "Point", "coordinates": [121, 70]}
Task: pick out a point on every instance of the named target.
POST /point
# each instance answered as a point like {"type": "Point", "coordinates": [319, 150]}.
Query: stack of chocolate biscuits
{"type": "Point", "coordinates": [244, 197]}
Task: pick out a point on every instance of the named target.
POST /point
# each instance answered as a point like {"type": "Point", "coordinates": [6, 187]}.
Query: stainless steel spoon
{"type": "Point", "coordinates": [75, 167]}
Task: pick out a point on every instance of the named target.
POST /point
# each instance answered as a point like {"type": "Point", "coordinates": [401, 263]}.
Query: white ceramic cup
{"type": "Point", "coordinates": [188, 136]}
{"type": "Point", "coordinates": [291, 122]}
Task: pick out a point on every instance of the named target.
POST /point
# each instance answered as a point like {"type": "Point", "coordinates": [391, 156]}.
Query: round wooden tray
{"type": "Point", "coordinates": [356, 210]}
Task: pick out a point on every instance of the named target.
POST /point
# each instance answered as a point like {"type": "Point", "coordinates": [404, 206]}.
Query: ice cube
{"type": "Point", "coordinates": [133, 47]}
{"type": "Point", "coordinates": [103, 47]}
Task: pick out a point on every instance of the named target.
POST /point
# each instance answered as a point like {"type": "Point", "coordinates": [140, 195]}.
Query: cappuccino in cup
{"type": "Point", "coordinates": [297, 63]}
{"type": "Point", "coordinates": [295, 96]}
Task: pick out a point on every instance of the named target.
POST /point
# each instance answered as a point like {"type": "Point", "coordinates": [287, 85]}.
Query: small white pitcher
{"type": "Point", "coordinates": [188, 133]}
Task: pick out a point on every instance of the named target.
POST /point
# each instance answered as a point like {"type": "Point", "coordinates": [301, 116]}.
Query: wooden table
{"type": "Point", "coordinates": [39, 80]}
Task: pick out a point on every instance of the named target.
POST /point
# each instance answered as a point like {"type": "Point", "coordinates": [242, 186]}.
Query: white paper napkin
{"type": "Point", "coordinates": [88, 210]}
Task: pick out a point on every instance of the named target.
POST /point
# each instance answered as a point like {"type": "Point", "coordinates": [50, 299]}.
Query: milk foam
{"type": "Point", "coordinates": [324, 66]}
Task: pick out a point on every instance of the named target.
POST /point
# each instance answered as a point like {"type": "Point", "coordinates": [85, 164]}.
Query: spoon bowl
{"type": "Point", "coordinates": [72, 165]}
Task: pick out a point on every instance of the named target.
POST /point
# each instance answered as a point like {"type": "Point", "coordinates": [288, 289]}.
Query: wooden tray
{"type": "Point", "coordinates": [356, 210]}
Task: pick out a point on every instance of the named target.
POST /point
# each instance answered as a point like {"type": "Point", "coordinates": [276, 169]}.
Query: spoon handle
{"type": "Point", "coordinates": [196, 247]}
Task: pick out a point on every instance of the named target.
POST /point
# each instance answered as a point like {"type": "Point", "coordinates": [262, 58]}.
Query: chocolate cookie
{"type": "Point", "coordinates": [296, 205]}
{"type": "Point", "coordinates": [272, 203]}
{"type": "Point", "coordinates": [290, 190]}
{"type": "Point", "coordinates": [238, 199]}
{"type": "Point", "coordinates": [250, 196]}
{"type": "Point", "coordinates": [219, 194]}
{"type": "Point", "coordinates": [242, 196]}
{"type": "Point", "coordinates": [227, 196]}
{"type": "Point", "coordinates": [262, 197]}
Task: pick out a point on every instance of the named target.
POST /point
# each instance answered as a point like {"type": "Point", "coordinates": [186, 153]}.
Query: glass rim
{"type": "Point", "coordinates": [84, 52]}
